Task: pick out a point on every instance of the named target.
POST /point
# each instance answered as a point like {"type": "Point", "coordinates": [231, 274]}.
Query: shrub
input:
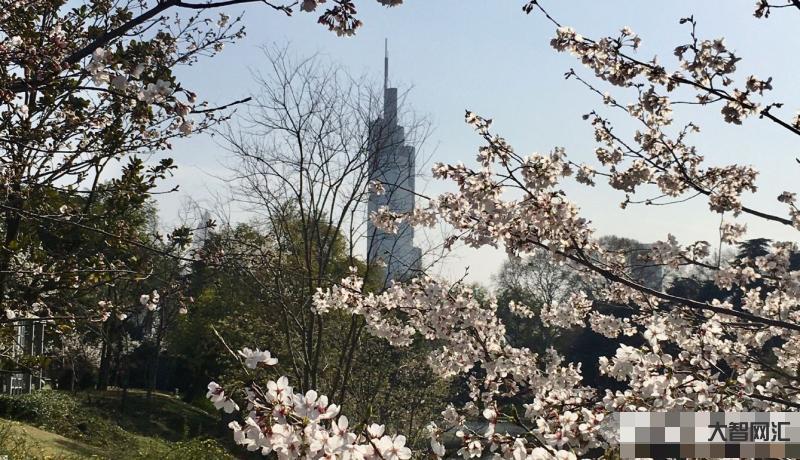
{"type": "Point", "coordinates": [40, 405]}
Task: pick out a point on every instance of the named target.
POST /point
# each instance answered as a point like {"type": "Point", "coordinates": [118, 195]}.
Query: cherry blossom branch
{"type": "Point", "coordinates": [775, 400]}
{"type": "Point", "coordinates": [689, 180]}
{"type": "Point", "coordinates": [223, 107]}
{"type": "Point", "coordinates": [202, 6]}
{"type": "Point", "coordinates": [610, 275]}
{"type": "Point", "coordinates": [678, 79]}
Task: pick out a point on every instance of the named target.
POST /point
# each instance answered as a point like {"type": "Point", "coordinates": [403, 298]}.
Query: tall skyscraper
{"type": "Point", "coordinates": [392, 164]}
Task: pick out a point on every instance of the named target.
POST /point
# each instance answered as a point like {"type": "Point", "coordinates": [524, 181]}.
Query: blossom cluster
{"type": "Point", "coordinates": [300, 425]}
{"type": "Point", "coordinates": [468, 333]}
{"type": "Point", "coordinates": [673, 352]}
{"type": "Point", "coordinates": [682, 344]}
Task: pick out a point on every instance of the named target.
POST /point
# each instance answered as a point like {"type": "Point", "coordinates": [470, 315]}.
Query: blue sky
{"type": "Point", "coordinates": [491, 58]}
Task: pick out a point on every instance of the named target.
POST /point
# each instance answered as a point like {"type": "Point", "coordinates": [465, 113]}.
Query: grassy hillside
{"type": "Point", "coordinates": [161, 415]}
{"type": "Point", "coordinates": [52, 424]}
{"type": "Point", "coordinates": [19, 440]}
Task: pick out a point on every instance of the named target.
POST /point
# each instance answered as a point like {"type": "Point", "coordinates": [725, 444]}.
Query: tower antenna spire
{"type": "Point", "coordinates": [386, 64]}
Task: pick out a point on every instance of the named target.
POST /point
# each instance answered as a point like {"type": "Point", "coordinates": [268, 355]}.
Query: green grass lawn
{"type": "Point", "coordinates": [57, 424]}
{"type": "Point", "coordinates": [31, 442]}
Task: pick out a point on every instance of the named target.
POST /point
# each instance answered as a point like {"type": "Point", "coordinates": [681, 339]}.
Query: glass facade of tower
{"type": "Point", "coordinates": [392, 164]}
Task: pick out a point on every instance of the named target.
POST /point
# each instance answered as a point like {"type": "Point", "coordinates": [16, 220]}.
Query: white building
{"type": "Point", "coordinates": [29, 340]}
{"type": "Point", "coordinates": [392, 164]}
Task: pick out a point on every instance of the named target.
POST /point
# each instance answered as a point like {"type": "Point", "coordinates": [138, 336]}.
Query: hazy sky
{"type": "Point", "coordinates": [491, 58]}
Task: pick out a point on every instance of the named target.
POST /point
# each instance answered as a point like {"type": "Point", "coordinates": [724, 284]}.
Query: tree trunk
{"type": "Point", "coordinates": [105, 367]}
{"type": "Point", "coordinates": [13, 221]}
{"type": "Point", "coordinates": [154, 370]}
